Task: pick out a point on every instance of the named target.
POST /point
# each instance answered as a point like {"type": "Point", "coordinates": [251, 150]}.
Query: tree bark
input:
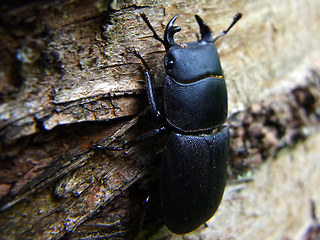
{"type": "Point", "coordinates": [69, 82]}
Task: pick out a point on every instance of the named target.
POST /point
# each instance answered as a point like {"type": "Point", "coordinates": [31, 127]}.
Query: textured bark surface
{"type": "Point", "coordinates": [68, 81]}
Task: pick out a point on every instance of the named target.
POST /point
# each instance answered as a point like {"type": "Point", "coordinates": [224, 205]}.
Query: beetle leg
{"type": "Point", "coordinates": [128, 144]}
{"type": "Point", "coordinates": [145, 136]}
{"type": "Point", "coordinates": [150, 86]}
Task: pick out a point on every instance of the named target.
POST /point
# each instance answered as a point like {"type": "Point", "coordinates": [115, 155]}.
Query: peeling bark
{"type": "Point", "coordinates": [68, 82]}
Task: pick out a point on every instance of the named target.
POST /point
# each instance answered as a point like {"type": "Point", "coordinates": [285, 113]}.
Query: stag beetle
{"type": "Point", "coordinates": [194, 168]}
{"type": "Point", "coordinates": [195, 105]}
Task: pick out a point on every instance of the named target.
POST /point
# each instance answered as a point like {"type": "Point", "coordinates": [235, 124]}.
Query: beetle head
{"type": "Point", "coordinates": [191, 61]}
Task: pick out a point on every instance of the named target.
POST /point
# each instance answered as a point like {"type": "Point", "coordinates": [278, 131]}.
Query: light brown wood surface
{"type": "Point", "coordinates": [67, 81]}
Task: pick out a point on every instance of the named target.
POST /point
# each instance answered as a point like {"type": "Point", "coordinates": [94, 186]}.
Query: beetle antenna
{"type": "Point", "coordinates": [155, 35]}
{"type": "Point", "coordinates": [236, 18]}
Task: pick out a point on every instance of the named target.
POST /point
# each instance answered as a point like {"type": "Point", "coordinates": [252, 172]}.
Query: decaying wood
{"type": "Point", "coordinates": [68, 81]}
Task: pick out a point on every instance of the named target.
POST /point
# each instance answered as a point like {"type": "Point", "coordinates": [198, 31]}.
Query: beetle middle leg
{"type": "Point", "coordinates": [128, 144]}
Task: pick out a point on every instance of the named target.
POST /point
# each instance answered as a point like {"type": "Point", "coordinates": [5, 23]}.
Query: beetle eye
{"type": "Point", "coordinates": [170, 64]}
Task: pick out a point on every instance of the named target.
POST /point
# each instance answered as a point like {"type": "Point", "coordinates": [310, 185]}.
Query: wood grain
{"type": "Point", "coordinates": [68, 81]}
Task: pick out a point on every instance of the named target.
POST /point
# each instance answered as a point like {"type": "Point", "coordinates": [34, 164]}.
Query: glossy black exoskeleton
{"type": "Point", "coordinates": [195, 105]}
{"type": "Point", "coordinates": [194, 167]}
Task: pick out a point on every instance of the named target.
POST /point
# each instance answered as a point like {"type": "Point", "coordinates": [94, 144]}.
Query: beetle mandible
{"type": "Point", "coordinates": [194, 168]}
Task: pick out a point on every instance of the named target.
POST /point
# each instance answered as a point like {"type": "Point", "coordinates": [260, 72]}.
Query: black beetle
{"type": "Point", "coordinates": [194, 168]}
{"type": "Point", "coordinates": [195, 106]}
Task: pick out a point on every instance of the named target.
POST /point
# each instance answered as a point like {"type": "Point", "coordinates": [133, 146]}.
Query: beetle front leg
{"type": "Point", "coordinates": [150, 86]}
